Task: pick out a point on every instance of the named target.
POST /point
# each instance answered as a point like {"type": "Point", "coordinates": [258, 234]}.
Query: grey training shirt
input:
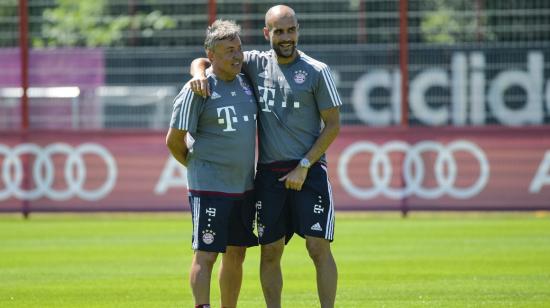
{"type": "Point", "coordinates": [223, 126]}
{"type": "Point", "coordinates": [290, 97]}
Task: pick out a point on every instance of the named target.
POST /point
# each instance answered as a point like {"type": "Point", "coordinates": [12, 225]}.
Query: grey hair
{"type": "Point", "coordinates": [220, 30]}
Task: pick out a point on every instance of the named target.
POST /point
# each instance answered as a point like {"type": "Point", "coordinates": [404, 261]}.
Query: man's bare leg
{"type": "Point", "coordinates": [325, 267]}
{"type": "Point", "coordinates": [231, 275]}
{"type": "Point", "coordinates": [200, 275]}
{"type": "Point", "coordinates": [271, 275]}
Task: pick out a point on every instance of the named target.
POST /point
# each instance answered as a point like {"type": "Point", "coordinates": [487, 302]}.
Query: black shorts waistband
{"type": "Point", "coordinates": [283, 166]}
{"type": "Point", "coordinates": [206, 193]}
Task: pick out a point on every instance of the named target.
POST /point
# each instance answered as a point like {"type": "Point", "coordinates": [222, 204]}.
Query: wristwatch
{"type": "Point", "coordinates": [304, 163]}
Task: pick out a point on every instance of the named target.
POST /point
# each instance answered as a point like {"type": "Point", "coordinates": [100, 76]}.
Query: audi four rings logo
{"type": "Point", "coordinates": [43, 171]}
{"type": "Point", "coordinates": [380, 169]}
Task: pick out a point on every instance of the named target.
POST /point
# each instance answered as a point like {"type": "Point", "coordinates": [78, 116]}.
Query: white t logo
{"type": "Point", "coordinates": [266, 94]}
{"type": "Point", "coordinates": [228, 118]}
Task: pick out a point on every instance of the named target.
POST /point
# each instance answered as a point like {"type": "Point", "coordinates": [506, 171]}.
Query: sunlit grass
{"type": "Point", "coordinates": [142, 260]}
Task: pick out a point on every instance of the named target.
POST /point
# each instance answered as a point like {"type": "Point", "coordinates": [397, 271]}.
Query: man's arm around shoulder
{"type": "Point", "coordinates": [199, 82]}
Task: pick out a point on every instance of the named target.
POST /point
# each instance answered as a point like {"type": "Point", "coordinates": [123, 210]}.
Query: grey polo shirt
{"type": "Point", "coordinates": [223, 126]}
{"type": "Point", "coordinates": [290, 98]}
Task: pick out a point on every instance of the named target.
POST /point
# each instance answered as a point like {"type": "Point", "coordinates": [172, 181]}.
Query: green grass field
{"type": "Point", "coordinates": [142, 260]}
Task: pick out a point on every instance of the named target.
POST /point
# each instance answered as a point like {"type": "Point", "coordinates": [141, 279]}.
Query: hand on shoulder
{"type": "Point", "coordinates": [199, 86]}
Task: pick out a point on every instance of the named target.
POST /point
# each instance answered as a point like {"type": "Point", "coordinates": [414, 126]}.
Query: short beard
{"type": "Point", "coordinates": [281, 54]}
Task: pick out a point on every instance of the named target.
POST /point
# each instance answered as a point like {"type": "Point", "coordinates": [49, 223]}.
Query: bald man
{"type": "Point", "coordinates": [298, 120]}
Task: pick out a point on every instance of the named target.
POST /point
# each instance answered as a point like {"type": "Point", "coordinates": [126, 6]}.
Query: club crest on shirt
{"type": "Point", "coordinates": [208, 236]}
{"type": "Point", "coordinates": [300, 76]}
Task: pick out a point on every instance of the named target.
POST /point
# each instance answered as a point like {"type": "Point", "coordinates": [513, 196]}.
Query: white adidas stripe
{"type": "Point", "coordinates": [196, 215]}
{"type": "Point", "coordinates": [176, 103]}
{"type": "Point", "coordinates": [194, 208]}
{"type": "Point", "coordinates": [327, 77]}
{"type": "Point", "coordinates": [331, 212]}
{"type": "Point", "coordinates": [329, 231]}
{"type": "Point", "coordinates": [187, 104]}
{"type": "Point", "coordinates": [331, 87]}
{"type": "Point", "coordinates": [182, 98]}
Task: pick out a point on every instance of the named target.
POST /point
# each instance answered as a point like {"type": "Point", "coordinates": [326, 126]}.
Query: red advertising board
{"type": "Point", "coordinates": [489, 168]}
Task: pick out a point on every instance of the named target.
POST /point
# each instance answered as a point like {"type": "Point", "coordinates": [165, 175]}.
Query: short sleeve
{"type": "Point", "coordinates": [325, 92]}
{"type": "Point", "coordinates": [187, 107]}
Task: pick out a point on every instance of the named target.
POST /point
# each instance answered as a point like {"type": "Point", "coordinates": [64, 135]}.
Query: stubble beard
{"type": "Point", "coordinates": [282, 54]}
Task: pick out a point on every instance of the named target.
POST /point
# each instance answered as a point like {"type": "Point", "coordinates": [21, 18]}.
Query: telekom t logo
{"type": "Point", "coordinates": [230, 117]}
{"type": "Point", "coordinates": [267, 97]}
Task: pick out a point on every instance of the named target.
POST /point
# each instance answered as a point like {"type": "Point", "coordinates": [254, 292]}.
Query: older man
{"type": "Point", "coordinates": [219, 154]}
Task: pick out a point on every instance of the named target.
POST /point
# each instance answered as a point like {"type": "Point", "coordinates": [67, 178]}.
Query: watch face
{"type": "Point", "coordinates": [305, 163]}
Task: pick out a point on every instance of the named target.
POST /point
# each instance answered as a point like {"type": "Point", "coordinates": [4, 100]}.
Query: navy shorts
{"type": "Point", "coordinates": [220, 221]}
{"type": "Point", "coordinates": [283, 212]}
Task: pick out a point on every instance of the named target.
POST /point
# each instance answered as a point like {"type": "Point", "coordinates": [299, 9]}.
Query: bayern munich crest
{"type": "Point", "coordinates": [208, 236]}
{"type": "Point", "coordinates": [260, 230]}
{"type": "Point", "coordinates": [300, 76]}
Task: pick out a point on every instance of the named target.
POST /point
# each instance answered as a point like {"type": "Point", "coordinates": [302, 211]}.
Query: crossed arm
{"type": "Point", "coordinates": [175, 140]}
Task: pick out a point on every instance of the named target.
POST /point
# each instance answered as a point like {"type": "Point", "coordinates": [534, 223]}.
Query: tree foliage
{"type": "Point", "coordinates": [448, 21]}
{"type": "Point", "coordinates": [8, 23]}
{"type": "Point", "coordinates": [90, 24]}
